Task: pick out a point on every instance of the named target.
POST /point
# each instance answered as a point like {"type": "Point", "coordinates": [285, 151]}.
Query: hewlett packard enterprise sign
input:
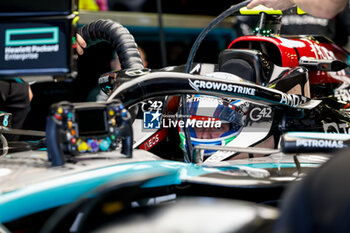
{"type": "Point", "coordinates": [35, 48]}
{"type": "Point", "coordinates": [30, 43]}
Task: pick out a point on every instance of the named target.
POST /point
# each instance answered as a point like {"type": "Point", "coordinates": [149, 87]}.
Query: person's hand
{"type": "Point", "coordinates": [30, 93]}
{"type": "Point", "coordinates": [81, 44]}
{"type": "Point", "coordinates": [275, 4]}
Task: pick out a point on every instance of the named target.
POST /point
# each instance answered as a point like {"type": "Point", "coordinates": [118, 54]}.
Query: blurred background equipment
{"type": "Point", "coordinates": [36, 37]}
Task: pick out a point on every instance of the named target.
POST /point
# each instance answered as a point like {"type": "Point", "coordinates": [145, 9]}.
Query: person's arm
{"type": "Point", "coordinates": [275, 4]}
{"type": "Point", "coordinates": [321, 8]}
{"type": "Point", "coordinates": [318, 8]}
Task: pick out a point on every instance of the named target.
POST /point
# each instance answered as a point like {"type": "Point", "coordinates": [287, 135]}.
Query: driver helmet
{"type": "Point", "coordinates": [212, 121]}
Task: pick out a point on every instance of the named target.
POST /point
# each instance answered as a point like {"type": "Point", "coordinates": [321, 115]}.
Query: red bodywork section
{"type": "Point", "coordinates": [286, 51]}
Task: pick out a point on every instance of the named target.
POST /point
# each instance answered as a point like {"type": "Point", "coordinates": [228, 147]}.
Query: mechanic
{"type": "Point", "coordinates": [317, 8]}
{"type": "Point", "coordinates": [15, 98]}
{"type": "Point", "coordinates": [337, 28]}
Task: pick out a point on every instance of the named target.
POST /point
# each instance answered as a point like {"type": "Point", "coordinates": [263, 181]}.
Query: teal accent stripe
{"type": "Point", "coordinates": [26, 31]}
{"type": "Point", "coordinates": [60, 191]}
{"type": "Point", "coordinates": [277, 165]}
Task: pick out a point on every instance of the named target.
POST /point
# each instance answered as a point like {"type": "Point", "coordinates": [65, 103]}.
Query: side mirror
{"type": "Point", "coordinates": [322, 64]}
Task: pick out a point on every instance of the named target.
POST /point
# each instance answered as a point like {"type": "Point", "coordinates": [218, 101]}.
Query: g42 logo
{"type": "Point", "coordinates": [257, 113]}
{"type": "Point", "coordinates": [152, 106]}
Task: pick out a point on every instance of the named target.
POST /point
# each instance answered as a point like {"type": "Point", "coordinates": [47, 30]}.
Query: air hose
{"type": "Point", "coordinates": [118, 36]}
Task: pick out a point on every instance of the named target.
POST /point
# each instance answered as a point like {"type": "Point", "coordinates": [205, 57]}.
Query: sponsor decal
{"type": "Point", "coordinates": [211, 99]}
{"type": "Point", "coordinates": [321, 52]}
{"type": "Point", "coordinates": [209, 85]}
{"type": "Point", "coordinates": [288, 20]}
{"type": "Point", "coordinates": [292, 99]}
{"type": "Point", "coordinates": [196, 69]}
{"type": "Point", "coordinates": [151, 105]}
{"type": "Point", "coordinates": [332, 144]}
{"type": "Point", "coordinates": [28, 43]}
{"type": "Point", "coordinates": [31, 36]}
{"type": "Point", "coordinates": [5, 122]}
{"type": "Point", "coordinates": [28, 52]}
{"type": "Point", "coordinates": [5, 119]}
{"type": "Point", "coordinates": [291, 43]}
{"type": "Point", "coordinates": [257, 113]}
{"type": "Point", "coordinates": [154, 140]}
{"type": "Point", "coordinates": [193, 85]}
{"type": "Point", "coordinates": [336, 128]}
{"type": "Point", "coordinates": [342, 94]}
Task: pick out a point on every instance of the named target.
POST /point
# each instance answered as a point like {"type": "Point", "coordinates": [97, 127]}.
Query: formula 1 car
{"type": "Point", "coordinates": [60, 190]}
{"type": "Point", "coordinates": [82, 181]}
{"type": "Point", "coordinates": [311, 72]}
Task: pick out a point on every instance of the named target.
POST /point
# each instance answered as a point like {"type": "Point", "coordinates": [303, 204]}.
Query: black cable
{"type": "Point", "coordinates": [230, 11]}
{"type": "Point", "coordinates": [161, 34]}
